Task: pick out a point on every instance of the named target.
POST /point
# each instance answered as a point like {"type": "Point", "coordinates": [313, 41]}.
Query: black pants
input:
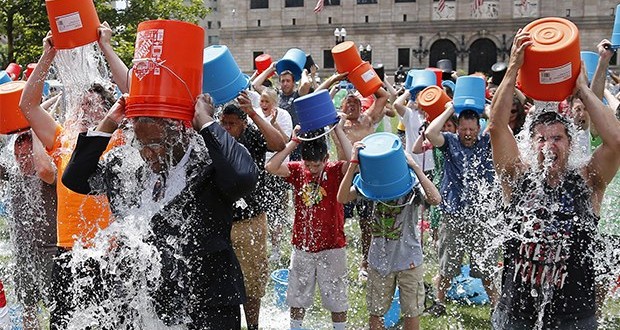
{"type": "Point", "coordinates": [217, 318]}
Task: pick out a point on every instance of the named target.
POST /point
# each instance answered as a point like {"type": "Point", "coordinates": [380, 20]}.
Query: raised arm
{"type": "Point", "coordinates": [377, 110]}
{"type": "Point", "coordinates": [42, 123]}
{"type": "Point", "coordinates": [118, 68]}
{"type": "Point", "coordinates": [505, 151]}
{"type": "Point", "coordinates": [43, 164]}
{"type": "Point", "coordinates": [304, 83]}
{"type": "Point", "coordinates": [400, 103]}
{"type": "Point", "coordinates": [431, 193]}
{"type": "Point", "coordinates": [276, 165]}
{"type": "Point", "coordinates": [273, 137]}
{"type": "Point", "coordinates": [598, 80]}
{"type": "Point", "coordinates": [346, 191]}
{"type": "Point", "coordinates": [327, 83]}
{"type": "Point", "coordinates": [258, 82]}
{"type": "Point", "coordinates": [433, 131]}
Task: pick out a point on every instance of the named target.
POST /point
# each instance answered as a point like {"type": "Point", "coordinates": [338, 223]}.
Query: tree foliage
{"type": "Point", "coordinates": [24, 23]}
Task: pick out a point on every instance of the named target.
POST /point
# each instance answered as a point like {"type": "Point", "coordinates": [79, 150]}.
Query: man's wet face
{"type": "Point", "coordinates": [287, 84]}
{"type": "Point", "coordinates": [552, 145]}
{"type": "Point", "coordinates": [158, 142]}
{"type": "Point", "coordinates": [233, 124]}
{"type": "Point", "coordinates": [468, 131]}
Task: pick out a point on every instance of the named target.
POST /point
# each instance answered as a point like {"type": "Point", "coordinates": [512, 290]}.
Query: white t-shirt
{"type": "Point", "coordinates": [284, 121]}
{"type": "Point", "coordinates": [413, 121]}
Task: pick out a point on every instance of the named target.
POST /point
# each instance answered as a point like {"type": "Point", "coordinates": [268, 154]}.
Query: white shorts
{"type": "Point", "coordinates": [329, 269]}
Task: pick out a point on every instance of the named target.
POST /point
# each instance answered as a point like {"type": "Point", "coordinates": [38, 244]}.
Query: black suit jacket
{"type": "Point", "coordinates": [195, 224]}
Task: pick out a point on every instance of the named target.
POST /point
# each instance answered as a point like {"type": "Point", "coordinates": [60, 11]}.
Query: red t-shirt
{"type": "Point", "coordinates": [319, 218]}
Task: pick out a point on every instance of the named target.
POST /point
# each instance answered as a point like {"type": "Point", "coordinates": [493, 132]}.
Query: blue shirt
{"type": "Point", "coordinates": [468, 173]}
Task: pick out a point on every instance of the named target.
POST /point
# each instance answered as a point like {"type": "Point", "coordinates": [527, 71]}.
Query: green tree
{"type": "Point", "coordinates": [24, 23]}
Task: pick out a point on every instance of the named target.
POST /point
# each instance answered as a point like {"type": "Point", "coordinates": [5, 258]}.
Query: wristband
{"type": "Point", "coordinates": [354, 161]}
{"type": "Point", "coordinates": [296, 140]}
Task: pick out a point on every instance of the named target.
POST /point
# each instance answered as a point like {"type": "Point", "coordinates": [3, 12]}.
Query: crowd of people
{"type": "Point", "coordinates": [215, 191]}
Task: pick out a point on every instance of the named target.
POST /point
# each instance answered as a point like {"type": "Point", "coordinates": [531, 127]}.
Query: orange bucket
{"type": "Point", "coordinates": [365, 79]}
{"type": "Point", "coordinates": [552, 63]}
{"type": "Point", "coordinates": [263, 61]}
{"type": "Point", "coordinates": [432, 100]}
{"type": "Point", "coordinates": [167, 73]}
{"type": "Point", "coordinates": [74, 23]}
{"type": "Point", "coordinates": [346, 57]}
{"type": "Point", "coordinates": [11, 118]}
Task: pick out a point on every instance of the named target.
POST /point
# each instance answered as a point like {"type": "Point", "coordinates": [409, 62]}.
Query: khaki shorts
{"type": "Point", "coordinates": [329, 269]}
{"type": "Point", "coordinates": [380, 291]}
{"type": "Point", "coordinates": [249, 240]}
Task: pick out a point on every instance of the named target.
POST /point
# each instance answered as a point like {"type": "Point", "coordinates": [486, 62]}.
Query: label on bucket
{"type": "Point", "coordinates": [149, 47]}
{"type": "Point", "coordinates": [69, 22]}
{"type": "Point", "coordinates": [368, 75]}
{"type": "Point", "coordinates": [555, 75]}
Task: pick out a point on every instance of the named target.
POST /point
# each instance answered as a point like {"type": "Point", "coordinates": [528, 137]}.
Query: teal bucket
{"type": "Point", "coordinates": [280, 284]}
{"type": "Point", "coordinates": [469, 94]}
{"type": "Point", "coordinates": [294, 60]}
{"type": "Point", "coordinates": [590, 59]}
{"type": "Point", "coordinates": [221, 77]}
{"type": "Point", "coordinates": [383, 151]}
{"type": "Point", "coordinates": [315, 111]}
{"type": "Point", "coordinates": [392, 316]}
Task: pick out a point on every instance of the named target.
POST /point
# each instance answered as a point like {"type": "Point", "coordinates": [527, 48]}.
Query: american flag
{"type": "Point", "coordinates": [442, 5]}
{"type": "Point", "coordinates": [524, 4]}
{"type": "Point", "coordinates": [319, 6]}
{"type": "Point", "coordinates": [478, 4]}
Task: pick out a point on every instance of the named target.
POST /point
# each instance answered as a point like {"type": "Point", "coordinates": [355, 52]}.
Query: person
{"type": "Point", "coordinates": [32, 189]}
{"type": "Point", "coordinates": [319, 254]}
{"type": "Point", "coordinates": [465, 186]}
{"type": "Point", "coordinates": [395, 256]}
{"type": "Point", "coordinates": [78, 217]}
{"type": "Point", "coordinates": [551, 208]}
{"type": "Point", "coordinates": [249, 230]}
{"type": "Point", "coordinates": [195, 185]}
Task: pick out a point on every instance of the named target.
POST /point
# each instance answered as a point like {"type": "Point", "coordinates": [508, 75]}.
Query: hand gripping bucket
{"type": "Point", "coordinates": [469, 94]}
{"type": "Point", "coordinates": [346, 57]}
{"type": "Point", "coordinates": [315, 110]}
{"type": "Point", "coordinates": [590, 59]}
{"type": "Point", "coordinates": [552, 62]}
{"type": "Point", "coordinates": [383, 151]}
{"type": "Point", "coordinates": [365, 79]}
{"type": "Point", "coordinates": [167, 72]}
{"type": "Point", "coordinates": [14, 70]}
{"type": "Point", "coordinates": [263, 61]}
{"type": "Point", "coordinates": [74, 23]}
{"type": "Point", "coordinates": [615, 34]}
{"type": "Point", "coordinates": [294, 60]}
{"type": "Point", "coordinates": [280, 284]}
{"type": "Point", "coordinates": [222, 78]}
{"type": "Point", "coordinates": [432, 100]}
{"type": "Point", "coordinates": [11, 118]}
{"type": "Point", "coordinates": [421, 79]}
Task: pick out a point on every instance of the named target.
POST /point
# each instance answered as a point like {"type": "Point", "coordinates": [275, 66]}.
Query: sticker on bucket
{"type": "Point", "coordinates": [149, 47]}
{"type": "Point", "coordinates": [555, 75]}
{"type": "Point", "coordinates": [69, 22]}
{"type": "Point", "coordinates": [368, 75]}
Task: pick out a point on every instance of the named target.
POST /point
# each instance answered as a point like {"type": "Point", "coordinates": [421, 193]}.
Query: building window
{"type": "Point", "coordinates": [366, 19]}
{"type": "Point", "coordinates": [329, 20]}
{"type": "Point", "coordinates": [258, 23]}
{"type": "Point", "coordinates": [403, 57]}
{"type": "Point", "coordinates": [365, 2]}
{"type": "Point", "coordinates": [219, 24]}
{"type": "Point", "coordinates": [328, 60]}
{"type": "Point", "coordinates": [397, 1]}
{"type": "Point", "coordinates": [209, 24]}
{"type": "Point", "coordinates": [404, 17]}
{"type": "Point", "coordinates": [294, 21]}
{"type": "Point", "coordinates": [332, 3]}
{"type": "Point", "coordinates": [258, 4]}
{"type": "Point", "coordinates": [254, 56]}
{"type": "Point", "coordinates": [214, 40]}
{"type": "Point", "coordinates": [294, 3]}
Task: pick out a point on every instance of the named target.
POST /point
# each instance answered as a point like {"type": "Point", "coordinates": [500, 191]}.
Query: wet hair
{"type": "Point", "coordinates": [271, 94]}
{"type": "Point", "coordinates": [23, 137]}
{"type": "Point", "coordinates": [469, 115]}
{"type": "Point", "coordinates": [287, 72]}
{"type": "Point", "coordinates": [267, 83]}
{"type": "Point", "coordinates": [233, 109]}
{"type": "Point", "coordinates": [315, 150]}
{"type": "Point", "coordinates": [454, 120]}
{"type": "Point", "coordinates": [549, 118]}
{"type": "Point", "coordinates": [106, 95]}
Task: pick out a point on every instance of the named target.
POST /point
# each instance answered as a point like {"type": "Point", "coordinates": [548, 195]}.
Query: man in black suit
{"type": "Point", "coordinates": [193, 181]}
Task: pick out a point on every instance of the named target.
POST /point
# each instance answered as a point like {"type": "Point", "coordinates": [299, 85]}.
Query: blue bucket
{"type": "Point", "coordinates": [4, 77]}
{"type": "Point", "coordinates": [615, 34]}
{"type": "Point", "coordinates": [467, 290]}
{"type": "Point", "coordinates": [590, 59]}
{"type": "Point", "coordinates": [280, 284]}
{"type": "Point", "coordinates": [469, 94]}
{"type": "Point", "coordinates": [383, 151]}
{"type": "Point", "coordinates": [294, 60]}
{"type": "Point", "coordinates": [221, 77]}
{"type": "Point", "coordinates": [315, 110]}
{"type": "Point", "coordinates": [392, 316]}
{"type": "Point", "coordinates": [448, 84]}
{"type": "Point", "coordinates": [421, 79]}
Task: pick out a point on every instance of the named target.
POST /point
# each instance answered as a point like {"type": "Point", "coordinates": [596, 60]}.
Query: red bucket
{"type": "Point", "coordinates": [11, 118]}
{"type": "Point", "coordinates": [14, 70]}
{"type": "Point", "coordinates": [74, 23]}
{"type": "Point", "coordinates": [29, 69]}
{"type": "Point", "coordinates": [167, 73]}
{"type": "Point", "coordinates": [438, 74]}
{"type": "Point", "coordinates": [263, 61]}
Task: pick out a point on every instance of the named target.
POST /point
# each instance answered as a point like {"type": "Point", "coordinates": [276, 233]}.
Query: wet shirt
{"type": "Point", "coordinates": [549, 257]}
{"type": "Point", "coordinates": [252, 204]}
{"type": "Point", "coordinates": [395, 244]}
{"type": "Point", "coordinates": [319, 218]}
{"type": "Point", "coordinates": [286, 103]}
{"type": "Point", "coordinates": [468, 173]}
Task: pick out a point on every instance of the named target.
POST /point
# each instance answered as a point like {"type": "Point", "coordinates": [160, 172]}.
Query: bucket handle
{"type": "Point", "coordinates": [319, 136]}
{"type": "Point", "coordinates": [399, 205]}
{"type": "Point", "coordinates": [161, 64]}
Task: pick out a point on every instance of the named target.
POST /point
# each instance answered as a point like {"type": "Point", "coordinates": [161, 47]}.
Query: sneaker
{"type": "Point", "coordinates": [437, 309]}
{"type": "Point", "coordinates": [362, 275]}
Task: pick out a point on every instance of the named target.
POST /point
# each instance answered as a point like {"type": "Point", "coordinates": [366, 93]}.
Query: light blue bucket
{"type": "Point", "coordinates": [615, 34]}
{"type": "Point", "coordinates": [294, 60]}
{"type": "Point", "coordinates": [315, 111]}
{"type": "Point", "coordinates": [221, 77]}
{"type": "Point", "coordinates": [280, 284]}
{"type": "Point", "coordinates": [469, 94]}
{"type": "Point", "coordinates": [4, 77]}
{"type": "Point", "coordinates": [392, 316]}
{"type": "Point", "coordinates": [590, 59]}
{"type": "Point", "coordinates": [384, 173]}
{"type": "Point", "coordinates": [421, 79]}
{"type": "Point", "coordinates": [448, 84]}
